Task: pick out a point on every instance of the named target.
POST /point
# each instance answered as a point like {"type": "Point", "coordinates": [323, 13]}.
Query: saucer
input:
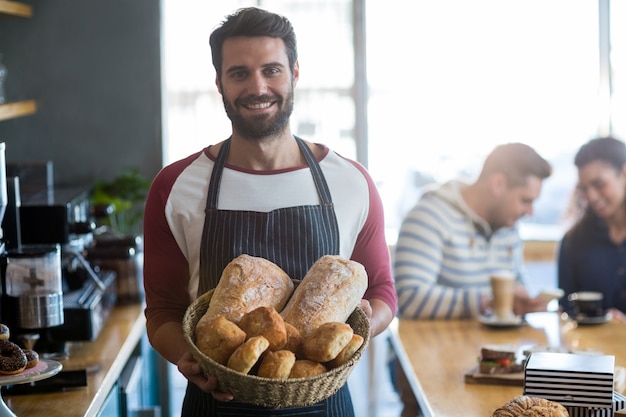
{"type": "Point", "coordinates": [580, 319]}
{"type": "Point", "coordinates": [493, 321]}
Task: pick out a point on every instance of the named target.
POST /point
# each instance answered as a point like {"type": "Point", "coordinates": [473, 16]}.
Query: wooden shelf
{"type": "Point", "coordinates": [17, 109]}
{"type": "Point", "coordinates": [15, 8]}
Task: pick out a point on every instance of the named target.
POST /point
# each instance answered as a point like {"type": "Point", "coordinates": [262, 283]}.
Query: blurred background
{"type": "Point", "coordinates": [421, 91]}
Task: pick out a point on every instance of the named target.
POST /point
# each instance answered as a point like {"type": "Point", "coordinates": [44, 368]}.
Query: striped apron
{"type": "Point", "coordinates": [293, 238]}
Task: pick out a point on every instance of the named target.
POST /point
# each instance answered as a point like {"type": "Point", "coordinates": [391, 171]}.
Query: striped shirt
{"type": "Point", "coordinates": [445, 254]}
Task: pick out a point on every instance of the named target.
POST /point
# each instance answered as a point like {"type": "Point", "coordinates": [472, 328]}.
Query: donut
{"type": "Point", "coordinates": [12, 358]}
{"type": "Point", "coordinates": [4, 332]}
{"type": "Point", "coordinates": [32, 358]}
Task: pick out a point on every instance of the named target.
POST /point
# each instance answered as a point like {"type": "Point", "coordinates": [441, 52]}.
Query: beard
{"type": "Point", "coordinates": [261, 126]}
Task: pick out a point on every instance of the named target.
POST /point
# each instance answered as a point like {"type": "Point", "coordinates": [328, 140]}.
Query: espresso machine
{"type": "Point", "coordinates": [51, 294]}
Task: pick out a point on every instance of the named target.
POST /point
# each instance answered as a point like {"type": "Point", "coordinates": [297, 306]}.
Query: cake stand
{"type": "Point", "coordinates": [44, 369]}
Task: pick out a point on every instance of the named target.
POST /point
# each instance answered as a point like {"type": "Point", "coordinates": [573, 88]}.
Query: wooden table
{"type": "Point", "coordinates": [435, 355]}
{"type": "Point", "coordinates": [104, 358]}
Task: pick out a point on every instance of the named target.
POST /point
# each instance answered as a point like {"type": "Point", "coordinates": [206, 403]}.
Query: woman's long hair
{"type": "Point", "coordinates": [606, 149]}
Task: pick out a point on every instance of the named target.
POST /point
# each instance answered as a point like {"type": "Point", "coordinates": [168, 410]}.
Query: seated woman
{"type": "Point", "coordinates": [592, 254]}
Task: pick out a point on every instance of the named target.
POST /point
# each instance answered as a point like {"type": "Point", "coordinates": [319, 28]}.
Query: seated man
{"type": "Point", "coordinates": [459, 234]}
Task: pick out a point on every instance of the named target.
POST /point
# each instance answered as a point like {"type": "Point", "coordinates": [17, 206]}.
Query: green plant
{"type": "Point", "coordinates": [126, 194]}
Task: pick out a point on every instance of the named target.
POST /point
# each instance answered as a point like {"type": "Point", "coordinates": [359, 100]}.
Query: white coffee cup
{"type": "Point", "coordinates": [503, 293]}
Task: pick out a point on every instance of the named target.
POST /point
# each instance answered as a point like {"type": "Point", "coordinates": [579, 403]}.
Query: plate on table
{"type": "Point", "coordinates": [581, 319]}
{"type": "Point", "coordinates": [493, 321]}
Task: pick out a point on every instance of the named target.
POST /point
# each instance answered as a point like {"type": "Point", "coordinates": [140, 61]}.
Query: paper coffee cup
{"type": "Point", "coordinates": [503, 290]}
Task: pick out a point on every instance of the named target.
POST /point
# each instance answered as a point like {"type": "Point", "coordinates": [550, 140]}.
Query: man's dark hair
{"type": "Point", "coordinates": [517, 162]}
{"type": "Point", "coordinates": [252, 21]}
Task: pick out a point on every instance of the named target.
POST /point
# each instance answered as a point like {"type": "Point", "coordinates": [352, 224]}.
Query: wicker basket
{"type": "Point", "coordinates": [268, 392]}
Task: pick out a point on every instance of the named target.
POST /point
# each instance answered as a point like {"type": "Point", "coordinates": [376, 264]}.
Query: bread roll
{"type": "Point", "coordinates": [294, 339]}
{"type": "Point", "coordinates": [348, 352]}
{"type": "Point", "coordinates": [330, 291]}
{"type": "Point", "coordinates": [265, 321]}
{"type": "Point", "coordinates": [324, 343]}
{"type": "Point", "coordinates": [246, 283]}
{"type": "Point", "coordinates": [246, 355]}
{"type": "Point", "coordinates": [527, 406]}
{"type": "Point", "coordinates": [304, 368]}
{"type": "Point", "coordinates": [277, 365]}
{"type": "Point", "coordinates": [218, 338]}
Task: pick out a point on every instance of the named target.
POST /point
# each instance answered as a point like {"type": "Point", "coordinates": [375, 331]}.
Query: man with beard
{"type": "Point", "coordinates": [262, 192]}
{"type": "Point", "coordinates": [458, 234]}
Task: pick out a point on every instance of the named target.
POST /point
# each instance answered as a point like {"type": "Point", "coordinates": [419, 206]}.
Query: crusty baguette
{"type": "Point", "coordinates": [246, 283]}
{"type": "Point", "coordinates": [330, 291]}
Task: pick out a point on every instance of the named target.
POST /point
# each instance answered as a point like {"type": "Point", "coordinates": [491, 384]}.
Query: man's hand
{"type": "Point", "coordinates": [523, 303]}
{"type": "Point", "coordinates": [191, 370]}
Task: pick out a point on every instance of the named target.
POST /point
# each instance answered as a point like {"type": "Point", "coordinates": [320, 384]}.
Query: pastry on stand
{"type": "Point", "coordinates": [44, 369]}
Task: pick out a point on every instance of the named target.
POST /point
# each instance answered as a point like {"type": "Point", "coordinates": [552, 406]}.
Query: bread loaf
{"type": "Point", "coordinates": [246, 283]}
{"type": "Point", "coordinates": [330, 291]}
{"type": "Point", "coordinates": [527, 406]}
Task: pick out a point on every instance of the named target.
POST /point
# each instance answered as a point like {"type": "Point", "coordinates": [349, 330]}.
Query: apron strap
{"type": "Point", "coordinates": [216, 175]}
{"type": "Point", "coordinates": [318, 178]}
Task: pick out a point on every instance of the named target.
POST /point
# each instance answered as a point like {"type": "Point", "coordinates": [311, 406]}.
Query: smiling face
{"type": "Point", "coordinates": [603, 187]}
{"type": "Point", "coordinates": [257, 86]}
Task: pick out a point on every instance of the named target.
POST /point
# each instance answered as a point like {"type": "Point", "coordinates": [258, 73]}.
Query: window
{"type": "Point", "coordinates": [451, 79]}
{"type": "Point", "coordinates": [324, 108]}
{"type": "Point", "coordinates": [448, 80]}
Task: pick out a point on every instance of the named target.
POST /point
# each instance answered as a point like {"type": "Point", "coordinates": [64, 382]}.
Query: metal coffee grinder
{"type": "Point", "coordinates": [31, 281]}
{"type": "Point", "coordinates": [34, 286]}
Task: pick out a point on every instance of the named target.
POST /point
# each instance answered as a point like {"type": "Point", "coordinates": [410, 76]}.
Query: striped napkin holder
{"type": "Point", "coordinates": [573, 380]}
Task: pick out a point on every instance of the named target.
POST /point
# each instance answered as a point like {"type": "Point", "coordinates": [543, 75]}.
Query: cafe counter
{"type": "Point", "coordinates": [436, 356]}
{"type": "Point", "coordinates": [104, 359]}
